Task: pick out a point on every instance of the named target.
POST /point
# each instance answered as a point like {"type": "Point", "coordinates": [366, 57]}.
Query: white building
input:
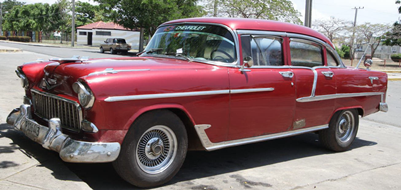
{"type": "Point", "coordinates": [96, 33]}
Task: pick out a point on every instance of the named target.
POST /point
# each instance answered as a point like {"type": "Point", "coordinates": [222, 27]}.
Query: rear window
{"type": "Point", "coordinates": [122, 41]}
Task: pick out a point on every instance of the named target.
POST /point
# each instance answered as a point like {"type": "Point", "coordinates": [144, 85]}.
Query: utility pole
{"type": "Point", "coordinates": [73, 24]}
{"type": "Point", "coordinates": [353, 34]}
{"type": "Point", "coordinates": [1, 19]}
{"type": "Point", "coordinates": [216, 2]}
{"type": "Point", "coordinates": [308, 13]}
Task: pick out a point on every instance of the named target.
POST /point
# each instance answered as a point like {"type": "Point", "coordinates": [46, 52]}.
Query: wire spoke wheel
{"type": "Point", "coordinates": [156, 149]}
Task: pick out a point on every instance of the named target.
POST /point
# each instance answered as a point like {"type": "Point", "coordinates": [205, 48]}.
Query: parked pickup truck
{"type": "Point", "coordinates": [200, 84]}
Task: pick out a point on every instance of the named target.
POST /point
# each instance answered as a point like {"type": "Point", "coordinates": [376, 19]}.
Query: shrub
{"type": "Point", "coordinates": [3, 38]}
{"type": "Point", "coordinates": [340, 52]}
{"type": "Point", "coordinates": [345, 49]}
{"type": "Point", "coordinates": [20, 38]}
{"type": "Point", "coordinates": [396, 57]}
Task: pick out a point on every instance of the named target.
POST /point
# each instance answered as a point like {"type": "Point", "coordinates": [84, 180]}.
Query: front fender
{"type": "Point", "coordinates": [156, 107]}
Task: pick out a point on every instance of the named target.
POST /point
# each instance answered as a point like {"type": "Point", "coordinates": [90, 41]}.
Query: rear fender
{"type": "Point", "coordinates": [360, 110]}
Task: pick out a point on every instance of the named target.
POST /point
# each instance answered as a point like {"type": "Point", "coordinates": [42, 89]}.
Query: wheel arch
{"type": "Point", "coordinates": [193, 139]}
{"type": "Point", "coordinates": [359, 109]}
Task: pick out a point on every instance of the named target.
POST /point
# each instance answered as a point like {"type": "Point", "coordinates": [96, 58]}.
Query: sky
{"type": "Point", "coordinates": [374, 11]}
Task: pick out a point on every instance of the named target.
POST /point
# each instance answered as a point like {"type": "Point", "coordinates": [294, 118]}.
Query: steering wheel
{"type": "Point", "coordinates": [220, 57]}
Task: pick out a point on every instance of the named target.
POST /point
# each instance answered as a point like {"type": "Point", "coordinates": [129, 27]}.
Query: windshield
{"type": "Point", "coordinates": [193, 42]}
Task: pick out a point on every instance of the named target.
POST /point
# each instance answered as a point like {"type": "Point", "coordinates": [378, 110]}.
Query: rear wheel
{"type": "Point", "coordinates": [112, 51]}
{"type": "Point", "coordinates": [153, 150]}
{"type": "Point", "coordinates": [342, 130]}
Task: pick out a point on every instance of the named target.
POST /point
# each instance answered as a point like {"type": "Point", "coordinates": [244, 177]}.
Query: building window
{"type": "Point", "coordinates": [103, 33]}
{"type": "Point", "coordinates": [82, 33]}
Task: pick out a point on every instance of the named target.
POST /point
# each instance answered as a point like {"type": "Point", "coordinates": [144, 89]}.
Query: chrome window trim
{"type": "Point", "coordinates": [336, 96]}
{"type": "Point", "coordinates": [76, 104]}
{"type": "Point", "coordinates": [185, 94]}
{"type": "Point", "coordinates": [328, 47]}
{"type": "Point", "coordinates": [233, 33]}
{"type": "Point", "coordinates": [262, 33]}
{"type": "Point", "coordinates": [210, 146]}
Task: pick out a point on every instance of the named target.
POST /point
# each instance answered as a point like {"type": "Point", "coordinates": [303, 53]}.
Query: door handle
{"type": "Point", "coordinates": [373, 78]}
{"type": "Point", "coordinates": [287, 74]}
{"type": "Point", "coordinates": [328, 74]}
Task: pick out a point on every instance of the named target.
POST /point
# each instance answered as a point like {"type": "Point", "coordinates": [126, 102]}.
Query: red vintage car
{"type": "Point", "coordinates": [200, 84]}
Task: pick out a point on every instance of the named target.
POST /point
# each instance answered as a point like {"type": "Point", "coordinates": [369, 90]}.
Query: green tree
{"type": "Point", "coordinates": [393, 37]}
{"type": "Point", "coordinates": [87, 13]}
{"type": "Point", "coordinates": [149, 14]}
{"type": "Point", "coordinates": [281, 10]}
{"type": "Point", "coordinates": [9, 4]}
{"type": "Point", "coordinates": [33, 17]}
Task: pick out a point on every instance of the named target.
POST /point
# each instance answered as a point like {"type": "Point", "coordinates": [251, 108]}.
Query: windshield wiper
{"type": "Point", "coordinates": [186, 57]}
{"type": "Point", "coordinates": [180, 55]}
{"type": "Point", "coordinates": [153, 50]}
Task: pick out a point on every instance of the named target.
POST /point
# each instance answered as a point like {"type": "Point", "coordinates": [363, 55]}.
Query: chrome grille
{"type": "Point", "coordinates": [49, 106]}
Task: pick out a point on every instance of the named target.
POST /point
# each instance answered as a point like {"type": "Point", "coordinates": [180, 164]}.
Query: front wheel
{"type": "Point", "coordinates": [342, 130]}
{"type": "Point", "coordinates": [153, 150]}
{"type": "Point", "coordinates": [101, 50]}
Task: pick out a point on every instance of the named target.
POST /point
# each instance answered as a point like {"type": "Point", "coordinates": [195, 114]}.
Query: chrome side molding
{"type": "Point", "coordinates": [186, 94]}
{"type": "Point", "coordinates": [210, 146]}
{"type": "Point", "coordinates": [335, 96]}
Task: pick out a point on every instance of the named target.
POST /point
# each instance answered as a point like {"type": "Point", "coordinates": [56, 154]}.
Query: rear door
{"type": "Point", "coordinates": [314, 82]}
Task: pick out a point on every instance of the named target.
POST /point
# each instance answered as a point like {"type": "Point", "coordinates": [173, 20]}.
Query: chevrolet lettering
{"type": "Point", "coordinates": [200, 84]}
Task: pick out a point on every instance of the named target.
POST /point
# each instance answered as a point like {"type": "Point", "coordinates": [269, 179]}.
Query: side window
{"type": "Point", "coordinates": [305, 53]}
{"type": "Point", "coordinates": [265, 51]}
{"type": "Point", "coordinates": [331, 61]}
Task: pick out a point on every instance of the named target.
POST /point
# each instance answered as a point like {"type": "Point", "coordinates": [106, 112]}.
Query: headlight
{"type": "Point", "coordinates": [85, 95]}
{"type": "Point", "coordinates": [24, 80]}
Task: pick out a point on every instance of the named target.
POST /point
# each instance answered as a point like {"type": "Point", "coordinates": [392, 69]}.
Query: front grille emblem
{"type": "Point", "coordinates": [49, 83]}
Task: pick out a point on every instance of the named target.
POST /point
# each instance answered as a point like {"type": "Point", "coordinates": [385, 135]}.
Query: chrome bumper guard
{"type": "Point", "coordinates": [52, 138]}
{"type": "Point", "coordinates": [383, 107]}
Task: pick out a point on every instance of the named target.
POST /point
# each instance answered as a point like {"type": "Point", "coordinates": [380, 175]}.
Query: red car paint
{"type": "Point", "coordinates": [232, 116]}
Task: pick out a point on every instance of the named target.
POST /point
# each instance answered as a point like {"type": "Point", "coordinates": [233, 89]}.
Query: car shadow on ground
{"type": "Point", "coordinates": [200, 164]}
{"type": "Point", "coordinates": [32, 150]}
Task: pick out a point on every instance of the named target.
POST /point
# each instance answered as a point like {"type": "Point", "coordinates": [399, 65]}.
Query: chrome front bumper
{"type": "Point", "coordinates": [52, 138]}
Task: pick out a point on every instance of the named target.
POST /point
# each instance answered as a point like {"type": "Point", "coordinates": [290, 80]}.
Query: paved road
{"type": "Point", "coordinates": [292, 163]}
{"type": "Point", "coordinates": [62, 52]}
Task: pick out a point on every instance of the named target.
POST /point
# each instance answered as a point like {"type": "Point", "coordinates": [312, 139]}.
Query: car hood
{"type": "Point", "coordinates": [59, 77]}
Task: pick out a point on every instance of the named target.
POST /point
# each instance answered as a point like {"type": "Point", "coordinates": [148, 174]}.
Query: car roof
{"type": "Point", "coordinates": [256, 24]}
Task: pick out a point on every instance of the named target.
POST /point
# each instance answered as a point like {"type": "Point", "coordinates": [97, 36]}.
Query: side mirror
{"type": "Point", "coordinates": [248, 62]}
{"type": "Point", "coordinates": [368, 63]}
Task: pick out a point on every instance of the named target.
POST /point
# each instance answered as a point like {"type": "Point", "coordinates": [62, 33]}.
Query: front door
{"type": "Point", "coordinates": [262, 97]}
{"type": "Point", "coordinates": [90, 38]}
